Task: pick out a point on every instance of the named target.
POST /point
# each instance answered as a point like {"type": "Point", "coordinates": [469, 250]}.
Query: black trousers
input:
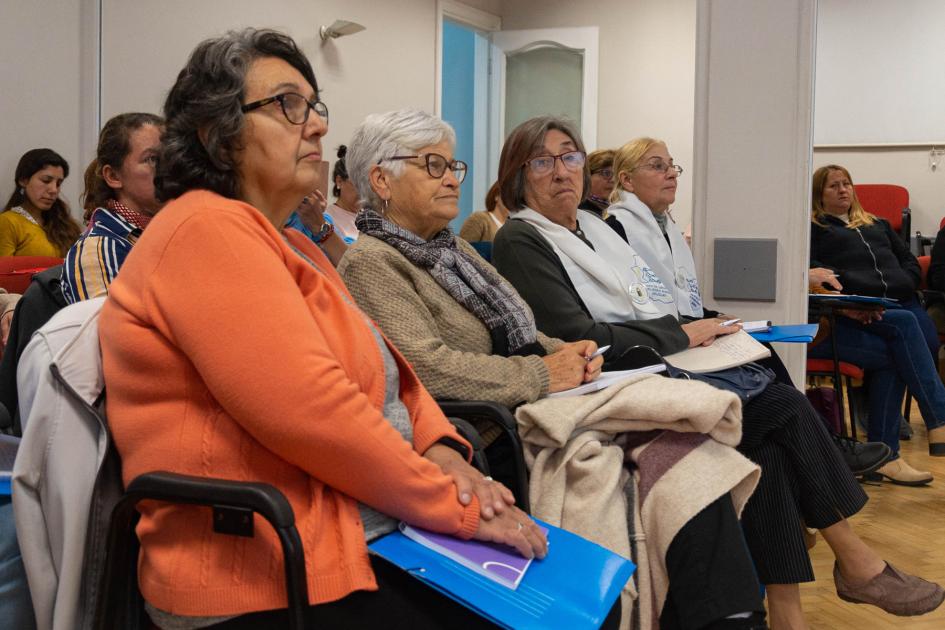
{"type": "Point", "coordinates": [400, 603]}
{"type": "Point", "coordinates": [711, 575]}
{"type": "Point", "coordinates": [803, 479]}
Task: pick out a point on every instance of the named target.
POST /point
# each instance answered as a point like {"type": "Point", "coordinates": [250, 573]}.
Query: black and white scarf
{"type": "Point", "coordinates": [470, 282]}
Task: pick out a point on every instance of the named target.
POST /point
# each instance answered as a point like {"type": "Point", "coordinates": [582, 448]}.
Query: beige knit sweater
{"type": "Point", "coordinates": [448, 346]}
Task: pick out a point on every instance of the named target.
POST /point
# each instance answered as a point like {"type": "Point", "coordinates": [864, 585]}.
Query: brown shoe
{"type": "Point", "coordinates": [892, 590]}
{"type": "Point", "coordinates": [901, 473]}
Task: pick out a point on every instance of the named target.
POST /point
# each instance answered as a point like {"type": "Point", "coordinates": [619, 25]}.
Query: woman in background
{"type": "Point", "coordinates": [482, 226]}
{"type": "Point", "coordinates": [35, 220]}
{"type": "Point", "coordinates": [119, 189]}
{"type": "Point", "coordinates": [853, 251]}
{"type": "Point", "coordinates": [343, 212]}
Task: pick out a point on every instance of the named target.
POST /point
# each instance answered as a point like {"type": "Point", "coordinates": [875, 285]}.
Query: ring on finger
{"type": "Point", "coordinates": [487, 479]}
{"type": "Point", "coordinates": [520, 526]}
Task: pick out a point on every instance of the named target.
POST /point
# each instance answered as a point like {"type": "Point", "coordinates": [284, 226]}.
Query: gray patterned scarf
{"type": "Point", "coordinates": [470, 282]}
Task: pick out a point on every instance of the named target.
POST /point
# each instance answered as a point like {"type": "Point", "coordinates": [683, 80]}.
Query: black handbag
{"type": "Point", "coordinates": [745, 381]}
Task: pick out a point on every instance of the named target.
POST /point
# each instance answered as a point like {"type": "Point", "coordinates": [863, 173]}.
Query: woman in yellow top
{"type": "Point", "coordinates": [35, 221]}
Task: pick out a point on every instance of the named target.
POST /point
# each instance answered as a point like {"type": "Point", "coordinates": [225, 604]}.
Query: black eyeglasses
{"type": "Point", "coordinates": [544, 164]}
{"type": "Point", "coordinates": [436, 165]}
{"type": "Point", "coordinates": [295, 107]}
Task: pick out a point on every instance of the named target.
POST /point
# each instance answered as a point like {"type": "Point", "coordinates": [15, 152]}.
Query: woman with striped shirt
{"type": "Point", "coordinates": [119, 203]}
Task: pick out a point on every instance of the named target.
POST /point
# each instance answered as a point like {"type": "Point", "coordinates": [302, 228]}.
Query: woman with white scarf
{"type": "Point", "coordinates": [583, 281]}
{"type": "Point", "coordinates": [470, 336]}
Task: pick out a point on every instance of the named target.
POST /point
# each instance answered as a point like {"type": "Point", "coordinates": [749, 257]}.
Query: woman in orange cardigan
{"type": "Point", "coordinates": [232, 349]}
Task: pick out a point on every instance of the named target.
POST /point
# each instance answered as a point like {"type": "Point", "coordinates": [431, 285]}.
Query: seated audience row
{"type": "Point", "coordinates": [471, 337]}
{"type": "Point", "coordinates": [371, 446]}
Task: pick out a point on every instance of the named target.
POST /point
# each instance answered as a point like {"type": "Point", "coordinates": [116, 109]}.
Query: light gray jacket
{"type": "Point", "coordinates": [64, 443]}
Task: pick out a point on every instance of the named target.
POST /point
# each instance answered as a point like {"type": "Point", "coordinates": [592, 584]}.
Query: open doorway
{"type": "Point", "coordinates": [464, 105]}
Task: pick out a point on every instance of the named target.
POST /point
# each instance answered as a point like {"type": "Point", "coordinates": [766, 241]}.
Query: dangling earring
{"type": "Point", "coordinates": [386, 206]}
{"type": "Point", "coordinates": [22, 191]}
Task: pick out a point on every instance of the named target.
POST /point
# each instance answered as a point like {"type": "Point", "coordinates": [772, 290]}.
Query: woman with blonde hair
{"type": "Point", "coordinates": [856, 252]}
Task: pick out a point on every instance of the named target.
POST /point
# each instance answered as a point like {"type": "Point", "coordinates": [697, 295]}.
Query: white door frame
{"type": "Point", "coordinates": [480, 21]}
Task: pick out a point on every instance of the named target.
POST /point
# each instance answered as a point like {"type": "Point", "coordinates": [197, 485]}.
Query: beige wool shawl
{"type": "Point", "coordinates": [575, 450]}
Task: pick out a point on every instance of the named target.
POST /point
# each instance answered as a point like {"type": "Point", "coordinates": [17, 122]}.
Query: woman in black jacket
{"type": "Point", "coordinates": [858, 253]}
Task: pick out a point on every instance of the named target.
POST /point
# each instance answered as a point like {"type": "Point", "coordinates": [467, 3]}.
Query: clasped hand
{"type": "Point", "coordinates": [500, 520]}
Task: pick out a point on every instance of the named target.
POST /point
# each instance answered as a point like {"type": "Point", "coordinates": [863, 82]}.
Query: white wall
{"type": "Point", "coordinates": [388, 66]}
{"type": "Point", "coordinates": [905, 166]}
{"type": "Point", "coordinates": [47, 86]}
{"type": "Point", "coordinates": [647, 70]}
{"type": "Point", "coordinates": [753, 121]}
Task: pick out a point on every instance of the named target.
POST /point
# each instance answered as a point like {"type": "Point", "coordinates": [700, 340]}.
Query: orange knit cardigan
{"type": "Point", "coordinates": [227, 354]}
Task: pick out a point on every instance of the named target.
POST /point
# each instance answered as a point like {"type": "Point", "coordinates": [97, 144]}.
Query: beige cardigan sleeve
{"type": "Point", "coordinates": [385, 286]}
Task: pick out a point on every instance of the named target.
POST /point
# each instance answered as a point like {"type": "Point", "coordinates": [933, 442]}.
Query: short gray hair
{"type": "Point", "coordinates": [401, 132]}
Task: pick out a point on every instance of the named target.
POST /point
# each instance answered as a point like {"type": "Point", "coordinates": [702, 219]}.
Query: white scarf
{"type": "Point", "coordinates": [613, 282]}
{"type": "Point", "coordinates": [672, 262]}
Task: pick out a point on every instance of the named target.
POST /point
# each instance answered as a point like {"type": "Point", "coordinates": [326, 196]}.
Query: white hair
{"type": "Point", "coordinates": [380, 136]}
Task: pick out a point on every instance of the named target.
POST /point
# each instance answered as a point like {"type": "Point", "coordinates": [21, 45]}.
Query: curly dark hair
{"type": "Point", "coordinates": [524, 143]}
{"type": "Point", "coordinates": [203, 115]}
{"type": "Point", "coordinates": [60, 228]}
{"type": "Point", "coordinates": [114, 144]}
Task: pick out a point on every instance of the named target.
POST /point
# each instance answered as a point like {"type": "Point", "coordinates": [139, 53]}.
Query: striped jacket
{"type": "Point", "coordinates": [94, 260]}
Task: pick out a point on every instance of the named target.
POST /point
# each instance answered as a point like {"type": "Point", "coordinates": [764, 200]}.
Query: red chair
{"type": "Point", "coordinates": [890, 202]}
{"type": "Point", "coordinates": [16, 272]}
{"type": "Point", "coordinates": [848, 373]}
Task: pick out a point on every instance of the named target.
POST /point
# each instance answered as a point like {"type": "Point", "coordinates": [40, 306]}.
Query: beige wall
{"type": "Point", "coordinates": [905, 166]}
{"type": "Point", "coordinates": [46, 86]}
{"type": "Point", "coordinates": [753, 121]}
{"type": "Point", "coordinates": [388, 66]}
{"type": "Point", "coordinates": [647, 70]}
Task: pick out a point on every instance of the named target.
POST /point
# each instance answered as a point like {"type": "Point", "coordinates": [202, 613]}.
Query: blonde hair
{"type": "Point", "coordinates": [628, 158]}
{"type": "Point", "coordinates": [858, 214]}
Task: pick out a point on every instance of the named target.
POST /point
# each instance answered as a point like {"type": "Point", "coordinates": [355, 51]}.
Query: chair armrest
{"type": "Point", "coordinates": [501, 417]}
{"type": "Point", "coordinates": [469, 432]}
{"type": "Point", "coordinates": [261, 498]}
{"type": "Point", "coordinates": [119, 603]}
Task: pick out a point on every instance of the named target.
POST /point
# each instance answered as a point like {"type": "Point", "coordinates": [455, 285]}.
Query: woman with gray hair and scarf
{"type": "Point", "coordinates": [470, 336]}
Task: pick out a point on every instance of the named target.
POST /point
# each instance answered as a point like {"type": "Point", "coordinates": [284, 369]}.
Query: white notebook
{"type": "Point", "coordinates": [606, 379]}
{"type": "Point", "coordinates": [725, 352]}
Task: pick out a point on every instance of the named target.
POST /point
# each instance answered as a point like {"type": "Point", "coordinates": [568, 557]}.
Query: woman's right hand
{"type": "Point", "coordinates": [703, 332]}
{"type": "Point", "coordinates": [569, 367]}
{"type": "Point", "coordinates": [514, 528]}
{"type": "Point", "coordinates": [819, 276]}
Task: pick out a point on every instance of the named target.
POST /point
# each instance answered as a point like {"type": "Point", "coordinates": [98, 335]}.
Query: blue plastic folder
{"type": "Point", "coordinates": [574, 587]}
{"type": "Point", "coordinates": [856, 299]}
{"type": "Point", "coordinates": [797, 333]}
{"type": "Point", "coordinates": [8, 447]}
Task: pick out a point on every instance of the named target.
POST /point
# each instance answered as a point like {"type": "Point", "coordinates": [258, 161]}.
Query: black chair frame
{"type": "Point", "coordinates": [501, 417]}
{"type": "Point", "coordinates": [233, 504]}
